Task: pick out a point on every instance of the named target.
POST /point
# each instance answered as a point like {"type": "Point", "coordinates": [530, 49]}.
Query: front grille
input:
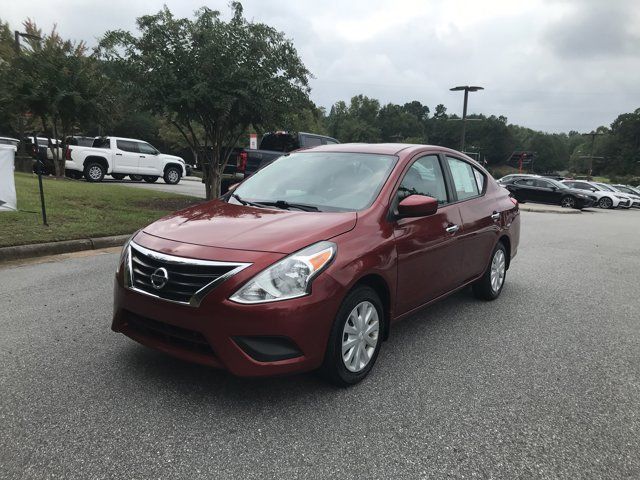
{"type": "Point", "coordinates": [176, 279]}
{"type": "Point", "coordinates": [168, 334]}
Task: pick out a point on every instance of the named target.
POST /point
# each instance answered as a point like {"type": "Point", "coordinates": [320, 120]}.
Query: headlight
{"type": "Point", "coordinates": [622, 197]}
{"type": "Point", "coordinates": [125, 251]}
{"type": "Point", "coordinates": [290, 277]}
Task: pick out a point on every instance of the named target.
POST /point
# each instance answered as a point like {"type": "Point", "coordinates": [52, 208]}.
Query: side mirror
{"type": "Point", "coordinates": [554, 188]}
{"type": "Point", "coordinates": [417, 206]}
{"type": "Point", "coordinates": [593, 189]}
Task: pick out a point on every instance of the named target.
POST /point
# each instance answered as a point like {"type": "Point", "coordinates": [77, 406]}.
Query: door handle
{"type": "Point", "coordinates": [142, 156]}
{"type": "Point", "coordinates": [495, 216]}
{"type": "Point", "coordinates": [453, 228]}
{"type": "Point", "coordinates": [119, 154]}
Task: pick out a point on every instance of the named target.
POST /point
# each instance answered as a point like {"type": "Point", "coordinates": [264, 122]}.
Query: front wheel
{"type": "Point", "coordinates": [489, 286]}
{"type": "Point", "coordinates": [568, 202]}
{"type": "Point", "coordinates": [605, 202]}
{"type": "Point", "coordinates": [94, 172]}
{"type": "Point", "coordinates": [136, 178]}
{"type": "Point", "coordinates": [172, 175]}
{"type": "Point", "coordinates": [355, 338]}
{"type": "Point", "coordinates": [150, 178]}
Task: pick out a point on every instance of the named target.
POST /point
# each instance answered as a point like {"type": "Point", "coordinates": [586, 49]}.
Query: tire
{"type": "Point", "coordinates": [150, 178]}
{"type": "Point", "coordinates": [568, 202]}
{"type": "Point", "coordinates": [172, 175]}
{"type": "Point", "coordinates": [490, 285]}
{"type": "Point", "coordinates": [361, 301]}
{"type": "Point", "coordinates": [136, 178]}
{"type": "Point", "coordinates": [605, 202]}
{"type": "Point", "coordinates": [118, 176]}
{"type": "Point", "coordinates": [94, 172]}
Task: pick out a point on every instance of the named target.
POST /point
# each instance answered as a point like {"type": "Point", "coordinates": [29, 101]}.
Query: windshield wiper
{"type": "Point", "coordinates": [286, 205]}
{"type": "Point", "coordinates": [247, 202]}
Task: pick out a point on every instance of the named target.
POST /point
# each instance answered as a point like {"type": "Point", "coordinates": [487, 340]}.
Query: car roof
{"type": "Point", "coordinates": [127, 139]}
{"type": "Point", "coordinates": [381, 148]}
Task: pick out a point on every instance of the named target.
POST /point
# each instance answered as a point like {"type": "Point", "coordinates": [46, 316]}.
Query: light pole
{"type": "Point", "coordinates": [466, 89]}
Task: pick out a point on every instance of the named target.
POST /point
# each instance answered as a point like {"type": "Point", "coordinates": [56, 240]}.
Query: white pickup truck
{"type": "Point", "coordinates": [120, 157]}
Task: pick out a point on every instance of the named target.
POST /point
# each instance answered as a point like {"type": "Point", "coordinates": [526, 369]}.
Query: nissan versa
{"type": "Point", "coordinates": [308, 263]}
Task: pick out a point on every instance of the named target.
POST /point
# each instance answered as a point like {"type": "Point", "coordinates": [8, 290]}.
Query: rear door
{"type": "Point", "coordinates": [427, 248]}
{"type": "Point", "coordinates": [480, 218]}
{"type": "Point", "coordinates": [126, 157]}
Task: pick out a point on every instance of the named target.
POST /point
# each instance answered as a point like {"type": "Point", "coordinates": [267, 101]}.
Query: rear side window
{"type": "Point", "coordinates": [278, 142]}
{"type": "Point", "coordinates": [101, 143]}
{"type": "Point", "coordinates": [464, 179]}
{"type": "Point", "coordinates": [424, 177]}
{"type": "Point", "coordinates": [328, 141]}
{"type": "Point", "coordinates": [127, 146]}
{"type": "Point", "coordinates": [529, 182]}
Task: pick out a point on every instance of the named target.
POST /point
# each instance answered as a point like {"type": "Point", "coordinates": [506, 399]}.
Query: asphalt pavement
{"type": "Point", "coordinates": [192, 186]}
{"type": "Point", "coordinates": [542, 383]}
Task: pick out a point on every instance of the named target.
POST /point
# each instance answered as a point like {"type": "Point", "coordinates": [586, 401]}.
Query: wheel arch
{"type": "Point", "coordinates": [101, 160]}
{"type": "Point", "coordinates": [506, 241]}
{"type": "Point", "coordinates": [172, 164]}
{"type": "Point", "coordinates": [380, 286]}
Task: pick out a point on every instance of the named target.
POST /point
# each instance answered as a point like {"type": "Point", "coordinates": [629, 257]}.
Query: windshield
{"type": "Point", "coordinates": [605, 187]}
{"type": "Point", "coordinates": [556, 183]}
{"type": "Point", "coordinates": [622, 188]}
{"type": "Point", "coordinates": [330, 181]}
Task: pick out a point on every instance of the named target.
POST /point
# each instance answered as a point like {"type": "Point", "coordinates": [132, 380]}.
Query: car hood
{"type": "Point", "coordinates": [224, 225]}
{"type": "Point", "coordinates": [171, 157]}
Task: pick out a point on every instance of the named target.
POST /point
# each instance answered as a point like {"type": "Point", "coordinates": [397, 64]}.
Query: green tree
{"type": "Point", "coordinates": [223, 76]}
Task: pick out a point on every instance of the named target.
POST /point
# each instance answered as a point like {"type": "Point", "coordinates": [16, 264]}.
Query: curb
{"type": "Point", "coordinates": [566, 211]}
{"type": "Point", "coordinates": [20, 252]}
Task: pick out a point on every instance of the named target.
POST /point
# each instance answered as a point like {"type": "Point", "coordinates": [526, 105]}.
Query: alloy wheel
{"type": "Point", "coordinates": [360, 336]}
{"type": "Point", "coordinates": [605, 202]}
{"type": "Point", "coordinates": [173, 176]}
{"type": "Point", "coordinates": [95, 172]}
{"type": "Point", "coordinates": [498, 268]}
{"type": "Point", "coordinates": [568, 202]}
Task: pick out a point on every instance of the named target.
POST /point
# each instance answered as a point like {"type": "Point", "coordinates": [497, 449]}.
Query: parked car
{"type": "Point", "coordinates": [308, 263]}
{"type": "Point", "coordinates": [547, 190]}
{"type": "Point", "coordinates": [604, 198]}
{"type": "Point", "coordinates": [512, 177]}
{"type": "Point", "coordinates": [119, 157]}
{"type": "Point", "coordinates": [43, 153]}
{"type": "Point", "coordinates": [244, 161]}
{"type": "Point", "coordinates": [10, 141]}
{"type": "Point", "coordinates": [633, 195]}
{"type": "Point", "coordinates": [617, 193]}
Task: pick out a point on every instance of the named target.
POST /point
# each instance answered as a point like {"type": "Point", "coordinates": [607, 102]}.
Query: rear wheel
{"type": "Point", "coordinates": [171, 175]}
{"type": "Point", "coordinates": [118, 176]}
{"type": "Point", "coordinates": [136, 178]}
{"type": "Point", "coordinates": [150, 178]}
{"type": "Point", "coordinates": [568, 202]}
{"type": "Point", "coordinates": [355, 338]}
{"type": "Point", "coordinates": [489, 286]}
{"type": "Point", "coordinates": [94, 172]}
{"type": "Point", "coordinates": [605, 202]}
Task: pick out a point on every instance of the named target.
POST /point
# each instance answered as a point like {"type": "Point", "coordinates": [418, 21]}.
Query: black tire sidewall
{"type": "Point", "coordinates": [482, 288]}
{"type": "Point", "coordinates": [150, 178]}
{"type": "Point", "coordinates": [333, 367]}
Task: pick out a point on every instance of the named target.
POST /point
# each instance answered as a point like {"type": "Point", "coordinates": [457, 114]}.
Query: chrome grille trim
{"type": "Point", "coordinates": [197, 297]}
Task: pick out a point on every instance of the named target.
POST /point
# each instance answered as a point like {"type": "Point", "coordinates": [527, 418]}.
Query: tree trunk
{"type": "Point", "coordinates": [215, 174]}
{"type": "Point", "coordinates": [58, 160]}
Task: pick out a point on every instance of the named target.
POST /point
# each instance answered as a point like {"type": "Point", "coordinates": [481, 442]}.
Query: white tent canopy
{"type": "Point", "coordinates": [8, 201]}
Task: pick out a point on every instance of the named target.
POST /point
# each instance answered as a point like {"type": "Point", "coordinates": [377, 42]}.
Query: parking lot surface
{"type": "Point", "coordinates": [542, 383]}
{"type": "Point", "coordinates": [192, 186]}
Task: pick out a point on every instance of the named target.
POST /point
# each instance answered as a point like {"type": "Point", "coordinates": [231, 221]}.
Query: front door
{"type": "Point", "coordinates": [427, 247]}
{"type": "Point", "coordinates": [149, 163]}
{"type": "Point", "coordinates": [126, 157]}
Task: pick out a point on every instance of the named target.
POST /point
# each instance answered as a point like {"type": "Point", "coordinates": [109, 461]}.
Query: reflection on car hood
{"type": "Point", "coordinates": [224, 225]}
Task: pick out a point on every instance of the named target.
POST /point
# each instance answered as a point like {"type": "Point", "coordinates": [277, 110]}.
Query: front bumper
{"type": "Point", "coordinates": [248, 340]}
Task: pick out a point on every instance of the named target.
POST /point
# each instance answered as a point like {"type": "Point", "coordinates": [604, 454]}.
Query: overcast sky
{"type": "Point", "coordinates": [552, 65]}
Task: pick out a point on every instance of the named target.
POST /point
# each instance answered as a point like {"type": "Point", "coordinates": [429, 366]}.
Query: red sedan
{"type": "Point", "coordinates": [309, 263]}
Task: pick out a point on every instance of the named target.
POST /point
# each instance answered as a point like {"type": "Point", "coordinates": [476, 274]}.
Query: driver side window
{"type": "Point", "coordinates": [424, 177]}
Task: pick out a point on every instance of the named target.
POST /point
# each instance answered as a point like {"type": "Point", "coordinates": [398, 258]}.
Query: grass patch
{"type": "Point", "coordinates": [77, 209]}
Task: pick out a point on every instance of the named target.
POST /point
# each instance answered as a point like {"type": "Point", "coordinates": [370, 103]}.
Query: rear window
{"type": "Point", "coordinates": [101, 143]}
{"type": "Point", "coordinates": [279, 142]}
